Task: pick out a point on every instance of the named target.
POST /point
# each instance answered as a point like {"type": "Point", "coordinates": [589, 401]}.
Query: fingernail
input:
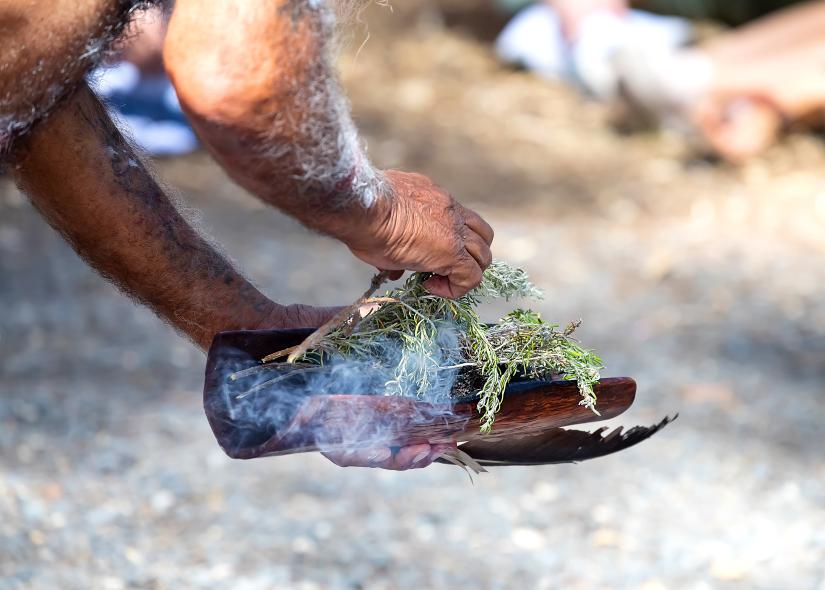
{"type": "Point", "coordinates": [420, 457]}
{"type": "Point", "coordinates": [379, 456]}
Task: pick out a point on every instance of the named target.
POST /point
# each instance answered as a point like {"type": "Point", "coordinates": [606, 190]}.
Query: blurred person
{"type": "Point", "coordinates": [740, 90]}
{"type": "Point", "coordinates": [257, 82]}
{"type": "Point", "coordinates": [736, 92]}
{"type": "Point", "coordinates": [135, 86]}
{"type": "Point", "coordinates": [576, 42]}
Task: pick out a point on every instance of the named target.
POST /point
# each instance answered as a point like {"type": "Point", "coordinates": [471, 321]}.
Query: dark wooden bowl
{"type": "Point", "coordinates": [310, 422]}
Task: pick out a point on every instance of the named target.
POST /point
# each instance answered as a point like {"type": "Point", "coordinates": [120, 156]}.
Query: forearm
{"type": "Point", "coordinates": [89, 184]}
{"type": "Point", "coordinates": [257, 80]}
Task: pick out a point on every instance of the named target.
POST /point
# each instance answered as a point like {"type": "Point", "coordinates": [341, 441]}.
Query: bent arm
{"type": "Point", "coordinates": [87, 181]}
{"type": "Point", "coordinates": [257, 81]}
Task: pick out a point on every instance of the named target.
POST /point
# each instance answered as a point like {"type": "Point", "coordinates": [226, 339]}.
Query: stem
{"type": "Point", "coordinates": [275, 380]}
{"type": "Point", "coordinates": [311, 341]}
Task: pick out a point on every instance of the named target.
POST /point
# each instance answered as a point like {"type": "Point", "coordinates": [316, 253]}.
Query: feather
{"type": "Point", "coordinates": [558, 445]}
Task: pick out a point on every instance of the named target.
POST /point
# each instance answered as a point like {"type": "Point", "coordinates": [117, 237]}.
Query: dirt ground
{"type": "Point", "coordinates": [703, 282]}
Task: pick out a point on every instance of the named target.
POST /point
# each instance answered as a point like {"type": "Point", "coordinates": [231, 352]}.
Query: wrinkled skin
{"type": "Point", "coordinates": [423, 228]}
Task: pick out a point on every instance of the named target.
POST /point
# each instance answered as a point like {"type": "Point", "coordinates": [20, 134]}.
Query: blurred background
{"type": "Point", "coordinates": [678, 212]}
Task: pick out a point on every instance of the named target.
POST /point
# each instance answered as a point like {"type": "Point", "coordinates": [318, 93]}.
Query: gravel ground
{"type": "Point", "coordinates": [703, 283]}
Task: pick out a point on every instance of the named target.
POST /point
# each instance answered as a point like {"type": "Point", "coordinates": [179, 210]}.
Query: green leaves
{"type": "Point", "coordinates": [503, 281]}
{"type": "Point", "coordinates": [426, 339]}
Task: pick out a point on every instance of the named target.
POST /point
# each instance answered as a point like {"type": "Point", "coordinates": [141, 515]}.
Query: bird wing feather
{"type": "Point", "coordinates": [558, 445]}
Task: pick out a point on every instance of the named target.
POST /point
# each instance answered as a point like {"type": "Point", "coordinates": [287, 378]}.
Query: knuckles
{"type": "Point", "coordinates": [427, 230]}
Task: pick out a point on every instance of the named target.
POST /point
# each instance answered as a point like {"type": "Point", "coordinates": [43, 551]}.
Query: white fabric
{"type": "Point", "coordinates": [121, 77]}
{"type": "Point", "coordinates": [534, 39]}
{"type": "Point", "coordinates": [159, 138]}
{"type": "Point", "coordinates": [665, 84]}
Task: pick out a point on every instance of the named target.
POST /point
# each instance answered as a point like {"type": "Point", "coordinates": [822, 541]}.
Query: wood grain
{"type": "Point", "coordinates": [344, 421]}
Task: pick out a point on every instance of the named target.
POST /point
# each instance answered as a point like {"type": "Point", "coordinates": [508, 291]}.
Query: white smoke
{"type": "Point", "coordinates": [287, 402]}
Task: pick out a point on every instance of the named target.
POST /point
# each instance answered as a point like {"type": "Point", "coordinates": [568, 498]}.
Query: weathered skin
{"type": "Point", "coordinates": [256, 81]}
{"type": "Point", "coordinates": [117, 217]}
{"type": "Point", "coordinates": [248, 101]}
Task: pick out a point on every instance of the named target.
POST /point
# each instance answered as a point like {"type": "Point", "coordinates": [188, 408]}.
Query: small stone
{"type": "Point", "coordinates": [728, 569]}
{"type": "Point", "coordinates": [303, 545]}
{"type": "Point", "coordinates": [528, 539]}
{"type": "Point", "coordinates": [606, 537]}
{"type": "Point", "coordinates": [162, 500]}
{"type": "Point", "coordinates": [133, 555]}
{"type": "Point", "coordinates": [37, 537]}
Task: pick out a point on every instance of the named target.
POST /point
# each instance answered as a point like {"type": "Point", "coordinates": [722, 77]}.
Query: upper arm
{"type": "Point", "coordinates": [232, 60]}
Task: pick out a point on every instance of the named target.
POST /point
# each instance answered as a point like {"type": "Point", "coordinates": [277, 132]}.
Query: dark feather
{"type": "Point", "coordinates": [558, 445]}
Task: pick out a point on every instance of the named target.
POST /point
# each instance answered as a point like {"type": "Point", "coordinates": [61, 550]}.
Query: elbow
{"type": "Point", "coordinates": [208, 91]}
{"type": "Point", "coordinates": [238, 72]}
{"type": "Point", "coordinates": [226, 89]}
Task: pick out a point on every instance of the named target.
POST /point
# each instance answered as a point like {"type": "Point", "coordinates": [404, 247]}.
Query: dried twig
{"type": "Point", "coordinates": [461, 459]}
{"type": "Point", "coordinates": [270, 367]}
{"type": "Point", "coordinates": [266, 384]}
{"type": "Point", "coordinates": [295, 352]}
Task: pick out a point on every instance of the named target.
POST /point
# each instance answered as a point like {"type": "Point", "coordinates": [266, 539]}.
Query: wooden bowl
{"type": "Point", "coordinates": [311, 422]}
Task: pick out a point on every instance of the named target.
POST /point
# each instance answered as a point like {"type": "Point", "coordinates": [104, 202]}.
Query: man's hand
{"type": "Point", "coordinates": [396, 459]}
{"type": "Point", "coordinates": [401, 459]}
{"type": "Point", "coordinates": [419, 226]}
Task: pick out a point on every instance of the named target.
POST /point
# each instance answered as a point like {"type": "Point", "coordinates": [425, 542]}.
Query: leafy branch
{"type": "Point", "coordinates": [415, 322]}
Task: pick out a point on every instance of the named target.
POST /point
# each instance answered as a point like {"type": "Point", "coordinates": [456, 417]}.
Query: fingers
{"type": "Point", "coordinates": [460, 281]}
{"type": "Point", "coordinates": [479, 250]}
{"type": "Point", "coordinates": [468, 272]}
{"type": "Point", "coordinates": [475, 222]}
{"type": "Point", "coordinates": [361, 457]}
{"type": "Point", "coordinates": [409, 457]}
{"type": "Point", "coordinates": [413, 457]}
{"type": "Point", "coordinates": [439, 285]}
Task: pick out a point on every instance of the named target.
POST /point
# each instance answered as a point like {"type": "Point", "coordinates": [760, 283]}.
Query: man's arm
{"type": "Point", "coordinates": [257, 80]}
{"type": "Point", "coordinates": [90, 185]}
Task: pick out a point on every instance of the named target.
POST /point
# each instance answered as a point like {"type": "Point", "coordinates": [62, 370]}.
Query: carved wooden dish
{"type": "Point", "coordinates": [532, 411]}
